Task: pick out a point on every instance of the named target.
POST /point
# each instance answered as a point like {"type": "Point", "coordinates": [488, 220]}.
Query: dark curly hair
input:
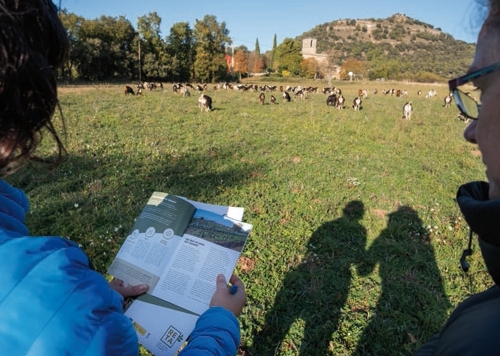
{"type": "Point", "coordinates": [33, 42]}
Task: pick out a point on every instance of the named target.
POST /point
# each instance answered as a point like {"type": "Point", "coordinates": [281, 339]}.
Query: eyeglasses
{"type": "Point", "coordinates": [467, 104]}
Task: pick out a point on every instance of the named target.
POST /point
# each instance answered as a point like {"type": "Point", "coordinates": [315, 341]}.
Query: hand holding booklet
{"type": "Point", "coordinates": [177, 247]}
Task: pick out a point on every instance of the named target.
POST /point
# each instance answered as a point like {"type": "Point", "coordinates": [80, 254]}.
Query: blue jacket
{"type": "Point", "coordinates": [53, 303]}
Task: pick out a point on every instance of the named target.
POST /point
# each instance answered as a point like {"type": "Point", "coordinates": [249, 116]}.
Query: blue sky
{"type": "Point", "coordinates": [257, 19]}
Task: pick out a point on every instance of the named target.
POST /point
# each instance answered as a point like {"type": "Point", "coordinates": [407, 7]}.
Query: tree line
{"type": "Point", "coordinates": [110, 48]}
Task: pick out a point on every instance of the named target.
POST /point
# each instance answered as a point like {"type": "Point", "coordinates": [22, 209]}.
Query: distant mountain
{"type": "Point", "coordinates": [414, 46]}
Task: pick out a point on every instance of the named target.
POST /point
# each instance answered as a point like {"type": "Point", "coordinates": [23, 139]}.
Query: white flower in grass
{"type": "Point", "coordinates": [352, 182]}
{"type": "Point", "coordinates": [76, 205]}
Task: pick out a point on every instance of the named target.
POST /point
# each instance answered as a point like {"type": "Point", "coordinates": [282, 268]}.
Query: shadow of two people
{"type": "Point", "coordinates": [411, 302]}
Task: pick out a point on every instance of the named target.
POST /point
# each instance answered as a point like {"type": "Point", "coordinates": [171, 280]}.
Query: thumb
{"type": "Point", "coordinates": [221, 282]}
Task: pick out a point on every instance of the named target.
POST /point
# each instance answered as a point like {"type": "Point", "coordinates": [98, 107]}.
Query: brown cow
{"type": "Point", "coordinates": [262, 98]}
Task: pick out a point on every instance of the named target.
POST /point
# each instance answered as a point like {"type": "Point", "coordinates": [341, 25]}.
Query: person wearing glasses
{"type": "Point", "coordinates": [52, 302]}
{"type": "Point", "coordinates": [473, 327]}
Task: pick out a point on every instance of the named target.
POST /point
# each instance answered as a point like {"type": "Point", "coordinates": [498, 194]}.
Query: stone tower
{"type": "Point", "coordinates": [309, 46]}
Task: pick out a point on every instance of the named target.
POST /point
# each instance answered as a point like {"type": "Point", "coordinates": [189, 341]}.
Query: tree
{"type": "Point", "coordinates": [273, 53]}
{"type": "Point", "coordinates": [211, 37]}
{"type": "Point", "coordinates": [72, 24]}
{"type": "Point", "coordinates": [257, 63]}
{"type": "Point", "coordinates": [289, 56]}
{"type": "Point", "coordinates": [352, 65]}
{"type": "Point", "coordinates": [180, 46]}
{"type": "Point", "coordinates": [103, 49]}
{"type": "Point", "coordinates": [308, 68]}
{"type": "Point", "coordinates": [154, 49]}
{"type": "Point", "coordinates": [240, 62]}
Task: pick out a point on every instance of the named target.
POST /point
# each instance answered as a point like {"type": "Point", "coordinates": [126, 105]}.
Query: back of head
{"type": "Point", "coordinates": [33, 43]}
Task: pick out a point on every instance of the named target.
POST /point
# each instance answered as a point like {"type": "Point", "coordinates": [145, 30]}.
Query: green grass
{"type": "Point", "coordinates": [356, 237]}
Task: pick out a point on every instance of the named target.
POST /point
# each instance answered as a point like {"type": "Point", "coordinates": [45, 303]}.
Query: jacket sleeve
{"type": "Point", "coordinates": [217, 332]}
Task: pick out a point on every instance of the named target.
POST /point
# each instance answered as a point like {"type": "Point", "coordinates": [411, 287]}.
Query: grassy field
{"type": "Point", "coordinates": [357, 238]}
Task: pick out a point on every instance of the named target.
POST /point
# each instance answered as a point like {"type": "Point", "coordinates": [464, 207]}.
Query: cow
{"type": "Point", "coordinates": [356, 103]}
{"type": "Point", "coordinates": [301, 94]}
{"type": "Point", "coordinates": [419, 92]}
{"type": "Point", "coordinates": [447, 100]}
{"type": "Point", "coordinates": [273, 99]}
{"type": "Point", "coordinates": [430, 94]}
{"type": "Point", "coordinates": [331, 100]}
{"type": "Point", "coordinates": [128, 90]}
{"type": "Point", "coordinates": [139, 91]}
{"type": "Point", "coordinates": [205, 102]}
{"type": "Point", "coordinates": [262, 98]}
{"type": "Point", "coordinates": [407, 110]}
{"type": "Point", "coordinates": [286, 96]}
{"type": "Point", "coordinates": [340, 102]}
{"type": "Point", "coordinates": [185, 92]}
{"type": "Point", "coordinates": [462, 117]}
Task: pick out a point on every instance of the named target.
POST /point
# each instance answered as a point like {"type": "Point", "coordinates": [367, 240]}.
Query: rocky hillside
{"type": "Point", "coordinates": [414, 47]}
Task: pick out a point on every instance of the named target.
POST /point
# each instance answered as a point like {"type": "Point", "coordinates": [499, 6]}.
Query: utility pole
{"type": "Point", "coordinates": [140, 79]}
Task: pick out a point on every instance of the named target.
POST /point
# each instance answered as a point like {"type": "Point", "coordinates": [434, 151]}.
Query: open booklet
{"type": "Point", "coordinates": [177, 247]}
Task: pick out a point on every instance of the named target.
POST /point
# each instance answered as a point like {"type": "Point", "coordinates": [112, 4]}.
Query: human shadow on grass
{"type": "Point", "coordinates": [412, 305]}
{"type": "Point", "coordinates": [315, 292]}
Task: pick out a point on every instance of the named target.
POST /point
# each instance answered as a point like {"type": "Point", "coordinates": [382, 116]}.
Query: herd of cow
{"type": "Point", "coordinates": [334, 94]}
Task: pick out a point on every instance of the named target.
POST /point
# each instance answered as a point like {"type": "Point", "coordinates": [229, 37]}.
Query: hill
{"type": "Point", "coordinates": [414, 47]}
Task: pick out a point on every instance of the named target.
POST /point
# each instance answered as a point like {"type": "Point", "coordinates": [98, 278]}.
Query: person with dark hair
{"type": "Point", "coordinates": [52, 302]}
{"type": "Point", "coordinates": [472, 328]}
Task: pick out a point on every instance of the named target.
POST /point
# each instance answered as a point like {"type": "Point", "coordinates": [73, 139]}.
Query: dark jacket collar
{"type": "Point", "coordinates": [483, 217]}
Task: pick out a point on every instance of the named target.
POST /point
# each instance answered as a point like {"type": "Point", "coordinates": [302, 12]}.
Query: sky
{"type": "Point", "coordinates": [251, 20]}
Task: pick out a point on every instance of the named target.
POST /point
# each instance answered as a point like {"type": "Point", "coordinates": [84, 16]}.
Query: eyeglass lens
{"type": "Point", "coordinates": [466, 103]}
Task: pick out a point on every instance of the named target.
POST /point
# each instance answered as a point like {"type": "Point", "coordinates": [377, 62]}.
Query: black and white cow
{"type": "Point", "coordinates": [447, 100]}
{"type": "Point", "coordinates": [407, 110]}
{"type": "Point", "coordinates": [205, 102]}
{"type": "Point", "coordinates": [356, 103]}
{"type": "Point", "coordinates": [340, 102]}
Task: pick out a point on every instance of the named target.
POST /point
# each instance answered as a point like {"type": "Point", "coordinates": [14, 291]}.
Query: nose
{"type": "Point", "coordinates": [470, 132]}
